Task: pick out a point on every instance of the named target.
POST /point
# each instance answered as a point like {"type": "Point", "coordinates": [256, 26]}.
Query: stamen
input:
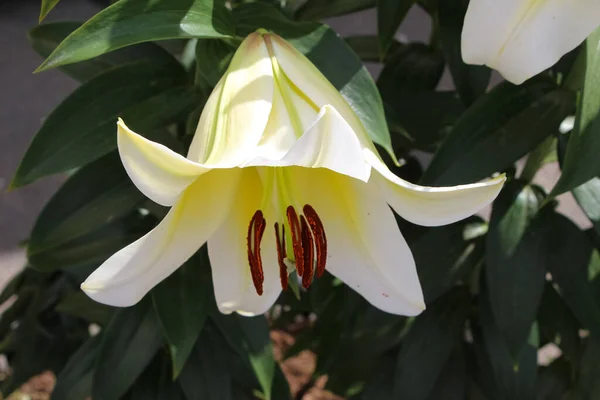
{"type": "Point", "coordinates": [256, 229]}
{"type": "Point", "coordinates": [319, 235]}
{"type": "Point", "coordinates": [307, 245]}
{"type": "Point", "coordinates": [296, 239]}
{"type": "Point", "coordinates": [281, 255]}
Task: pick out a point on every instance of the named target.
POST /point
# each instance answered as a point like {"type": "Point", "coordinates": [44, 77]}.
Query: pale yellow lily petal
{"type": "Point", "coordinates": [329, 143]}
{"type": "Point", "coordinates": [157, 171]}
{"type": "Point", "coordinates": [130, 273]}
{"type": "Point", "coordinates": [227, 250]}
{"type": "Point", "coordinates": [237, 112]}
{"type": "Point", "coordinates": [313, 85]}
{"type": "Point", "coordinates": [365, 248]}
{"type": "Point", "coordinates": [432, 206]}
{"type": "Point", "coordinates": [279, 135]}
{"type": "Point", "coordinates": [521, 38]}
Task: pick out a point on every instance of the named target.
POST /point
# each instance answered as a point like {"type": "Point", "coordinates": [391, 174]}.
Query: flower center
{"type": "Point", "coordinates": [308, 246]}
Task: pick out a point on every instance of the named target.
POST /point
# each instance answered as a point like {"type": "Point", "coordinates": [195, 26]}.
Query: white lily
{"type": "Point", "coordinates": [521, 38]}
{"type": "Point", "coordinates": [278, 177]}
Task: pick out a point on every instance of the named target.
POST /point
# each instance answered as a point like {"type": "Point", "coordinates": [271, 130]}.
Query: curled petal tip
{"type": "Point", "coordinates": [418, 309]}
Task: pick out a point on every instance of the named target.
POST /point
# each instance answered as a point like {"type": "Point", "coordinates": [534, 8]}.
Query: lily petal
{"type": "Point", "coordinates": [157, 171]}
{"type": "Point", "coordinates": [432, 206]}
{"type": "Point", "coordinates": [129, 274]}
{"type": "Point", "coordinates": [227, 250]}
{"type": "Point", "coordinates": [279, 135]}
{"type": "Point", "coordinates": [237, 112]}
{"type": "Point", "coordinates": [521, 38]}
{"type": "Point", "coordinates": [328, 143]}
{"type": "Point", "coordinates": [365, 248]}
{"type": "Point", "coordinates": [308, 80]}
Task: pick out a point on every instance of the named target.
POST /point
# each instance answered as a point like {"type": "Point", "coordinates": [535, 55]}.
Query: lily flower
{"type": "Point", "coordinates": [521, 38]}
{"type": "Point", "coordinates": [281, 176]}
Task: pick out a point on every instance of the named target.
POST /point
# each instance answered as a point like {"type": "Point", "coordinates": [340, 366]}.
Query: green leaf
{"type": "Point", "coordinates": [156, 383]}
{"type": "Point", "coordinates": [421, 120]}
{"type": "Point", "coordinates": [366, 47]}
{"type": "Point", "coordinates": [586, 194]}
{"type": "Point", "coordinates": [509, 377]}
{"type": "Point", "coordinates": [127, 22]}
{"type": "Point", "coordinates": [558, 324]}
{"type": "Point", "coordinates": [47, 6]}
{"type": "Point", "coordinates": [381, 383]}
{"type": "Point", "coordinates": [554, 381]}
{"type": "Point", "coordinates": [453, 259]}
{"type": "Point", "coordinates": [207, 375]}
{"type": "Point", "coordinates": [497, 130]}
{"type": "Point", "coordinates": [95, 195]}
{"type": "Point", "coordinates": [390, 14]}
{"type": "Point", "coordinates": [581, 161]}
{"type": "Point", "coordinates": [515, 262]}
{"type": "Point", "coordinates": [129, 343]}
{"type": "Point", "coordinates": [13, 286]}
{"type": "Point", "coordinates": [93, 248]}
{"type": "Point", "coordinates": [41, 340]}
{"type": "Point", "coordinates": [588, 380]}
{"type": "Point", "coordinates": [78, 304]}
{"type": "Point", "coordinates": [17, 310]}
{"type": "Point", "coordinates": [543, 154]}
{"type": "Point", "coordinates": [45, 38]}
{"type": "Point", "coordinates": [429, 344]}
{"type": "Point", "coordinates": [75, 380]}
{"type": "Point", "coordinates": [334, 58]}
{"type": "Point", "coordinates": [453, 379]}
{"type": "Point", "coordinates": [250, 338]}
{"type": "Point", "coordinates": [83, 127]}
{"type": "Point", "coordinates": [471, 81]}
{"type": "Point", "coordinates": [181, 304]}
{"type": "Point", "coordinates": [319, 9]}
{"type": "Point", "coordinates": [569, 252]}
{"type": "Point", "coordinates": [256, 332]}
{"type": "Point", "coordinates": [588, 198]}
{"type": "Point", "coordinates": [415, 67]}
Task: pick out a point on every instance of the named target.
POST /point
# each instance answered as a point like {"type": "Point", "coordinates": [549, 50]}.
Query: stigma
{"type": "Point", "coordinates": [301, 243]}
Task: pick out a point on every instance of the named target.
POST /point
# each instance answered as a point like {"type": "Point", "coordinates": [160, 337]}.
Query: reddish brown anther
{"type": "Point", "coordinates": [308, 247]}
{"type": "Point", "coordinates": [296, 239]}
{"type": "Point", "coordinates": [281, 255]}
{"type": "Point", "coordinates": [256, 229]}
{"type": "Point", "coordinates": [320, 239]}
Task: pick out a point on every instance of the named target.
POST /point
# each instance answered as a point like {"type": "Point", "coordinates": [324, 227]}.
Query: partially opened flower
{"type": "Point", "coordinates": [280, 177]}
{"type": "Point", "coordinates": [521, 38]}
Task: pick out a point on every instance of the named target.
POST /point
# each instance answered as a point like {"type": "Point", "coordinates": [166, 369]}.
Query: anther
{"type": "Point", "coordinates": [320, 239]}
{"type": "Point", "coordinates": [281, 255]}
{"type": "Point", "coordinates": [296, 239]}
{"type": "Point", "coordinates": [256, 229]}
{"type": "Point", "coordinates": [307, 246]}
